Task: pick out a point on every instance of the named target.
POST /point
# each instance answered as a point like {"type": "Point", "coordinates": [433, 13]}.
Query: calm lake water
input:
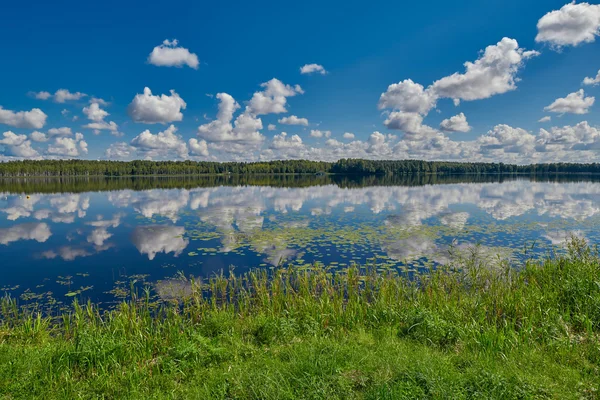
{"type": "Point", "coordinates": [92, 238]}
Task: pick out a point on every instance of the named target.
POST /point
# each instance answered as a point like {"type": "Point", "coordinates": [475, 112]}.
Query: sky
{"type": "Point", "coordinates": [498, 81]}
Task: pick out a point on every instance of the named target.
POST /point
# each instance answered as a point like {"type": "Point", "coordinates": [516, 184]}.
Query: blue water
{"type": "Point", "coordinates": [91, 244]}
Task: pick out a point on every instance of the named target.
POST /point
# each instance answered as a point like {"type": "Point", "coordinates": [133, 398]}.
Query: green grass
{"type": "Point", "coordinates": [468, 331]}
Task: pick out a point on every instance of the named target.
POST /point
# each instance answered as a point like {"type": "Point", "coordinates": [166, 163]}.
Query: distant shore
{"type": "Point", "coordinates": [344, 166]}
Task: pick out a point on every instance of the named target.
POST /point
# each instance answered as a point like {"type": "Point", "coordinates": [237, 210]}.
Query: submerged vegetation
{"type": "Point", "coordinates": [468, 330]}
{"type": "Point", "coordinates": [343, 166]}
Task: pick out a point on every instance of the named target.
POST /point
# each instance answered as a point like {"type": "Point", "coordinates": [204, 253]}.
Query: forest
{"type": "Point", "coordinates": [51, 168]}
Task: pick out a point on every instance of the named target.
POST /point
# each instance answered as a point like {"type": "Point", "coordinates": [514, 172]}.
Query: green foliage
{"type": "Point", "coordinates": [461, 332]}
{"type": "Point", "coordinates": [62, 168]}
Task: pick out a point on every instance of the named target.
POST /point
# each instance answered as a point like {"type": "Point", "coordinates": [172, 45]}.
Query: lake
{"type": "Point", "coordinates": [94, 238]}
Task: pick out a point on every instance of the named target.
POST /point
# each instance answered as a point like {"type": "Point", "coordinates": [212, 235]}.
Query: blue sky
{"type": "Point", "coordinates": [103, 51]}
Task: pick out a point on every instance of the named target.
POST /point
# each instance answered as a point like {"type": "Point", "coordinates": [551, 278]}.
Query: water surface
{"type": "Point", "coordinates": [91, 238]}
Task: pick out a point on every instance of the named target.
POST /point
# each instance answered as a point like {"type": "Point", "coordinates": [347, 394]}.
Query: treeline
{"type": "Point", "coordinates": [52, 168]}
{"type": "Point", "coordinates": [393, 167]}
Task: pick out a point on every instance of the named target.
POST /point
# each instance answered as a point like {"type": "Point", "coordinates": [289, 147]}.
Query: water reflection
{"type": "Point", "coordinates": [154, 239]}
{"type": "Point", "coordinates": [111, 228]}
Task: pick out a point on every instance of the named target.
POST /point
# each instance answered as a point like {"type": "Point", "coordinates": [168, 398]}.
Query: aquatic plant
{"type": "Point", "coordinates": [461, 331]}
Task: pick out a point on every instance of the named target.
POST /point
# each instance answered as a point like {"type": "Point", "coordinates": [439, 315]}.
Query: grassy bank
{"type": "Point", "coordinates": [470, 332]}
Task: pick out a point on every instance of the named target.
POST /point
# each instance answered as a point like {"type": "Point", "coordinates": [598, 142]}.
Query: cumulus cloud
{"type": "Point", "coordinates": [282, 141]}
{"type": "Point", "coordinates": [572, 25]}
{"type": "Point", "coordinates": [63, 95]}
{"type": "Point", "coordinates": [312, 68]}
{"type": "Point", "coordinates": [408, 96]}
{"type": "Point", "coordinates": [457, 123]}
{"type": "Point", "coordinates": [62, 131]}
{"type": "Point", "coordinates": [293, 120]}
{"type": "Point", "coordinates": [119, 150]}
{"type": "Point", "coordinates": [506, 139]}
{"type": "Point", "coordinates": [592, 81]}
{"type": "Point", "coordinates": [411, 124]}
{"type": "Point", "coordinates": [199, 148]}
{"type": "Point", "coordinates": [494, 72]}
{"type": "Point", "coordinates": [244, 130]}
{"type": "Point", "coordinates": [38, 136]}
{"type": "Point", "coordinates": [149, 109]}
{"type": "Point", "coordinates": [104, 126]}
{"type": "Point", "coordinates": [60, 96]}
{"type": "Point", "coordinates": [273, 99]}
{"type": "Point", "coordinates": [18, 145]}
{"type": "Point", "coordinates": [581, 136]}
{"type": "Point", "coordinates": [34, 119]}
{"type": "Point", "coordinates": [41, 95]}
{"type": "Point", "coordinates": [169, 54]}
{"type": "Point", "coordinates": [162, 144]}
{"type": "Point", "coordinates": [319, 134]}
{"type": "Point", "coordinates": [94, 112]}
{"type": "Point", "coordinates": [348, 135]}
{"type": "Point", "coordinates": [97, 115]}
{"type": "Point", "coordinates": [68, 147]}
{"type": "Point", "coordinates": [574, 103]}
{"type": "Point", "coordinates": [271, 127]}
{"type": "Point", "coordinates": [547, 118]}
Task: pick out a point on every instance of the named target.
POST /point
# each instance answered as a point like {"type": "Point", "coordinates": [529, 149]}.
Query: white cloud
{"type": "Point", "coordinates": [63, 131]}
{"type": "Point", "coordinates": [34, 119]}
{"type": "Point", "coordinates": [572, 25]}
{"type": "Point", "coordinates": [592, 81]}
{"type": "Point", "coordinates": [293, 120]}
{"type": "Point", "coordinates": [574, 103]}
{"type": "Point", "coordinates": [37, 136]}
{"type": "Point", "coordinates": [119, 150]}
{"type": "Point", "coordinates": [408, 96]}
{"type": "Point", "coordinates": [271, 127]}
{"type": "Point", "coordinates": [348, 135]}
{"type": "Point", "coordinates": [581, 136]}
{"type": "Point", "coordinates": [411, 124]}
{"type": "Point", "coordinates": [199, 148]}
{"type": "Point", "coordinates": [506, 139]}
{"type": "Point", "coordinates": [547, 118]}
{"type": "Point", "coordinates": [273, 99]}
{"type": "Point", "coordinates": [63, 95]}
{"type": "Point", "coordinates": [97, 115]}
{"type": "Point", "coordinates": [41, 95]}
{"type": "Point", "coordinates": [168, 54]}
{"type": "Point", "coordinates": [160, 145]}
{"type": "Point", "coordinates": [282, 141]}
{"type": "Point", "coordinates": [18, 145]}
{"type": "Point", "coordinates": [150, 109]}
{"type": "Point", "coordinates": [99, 101]}
{"type": "Point", "coordinates": [312, 68]}
{"type": "Point", "coordinates": [319, 134]}
{"type": "Point", "coordinates": [94, 112]}
{"type": "Point", "coordinates": [245, 129]}
{"type": "Point", "coordinates": [104, 126]}
{"type": "Point", "coordinates": [457, 123]}
{"type": "Point", "coordinates": [68, 147]}
{"type": "Point", "coordinates": [494, 72]}
{"type": "Point", "coordinates": [60, 96]}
